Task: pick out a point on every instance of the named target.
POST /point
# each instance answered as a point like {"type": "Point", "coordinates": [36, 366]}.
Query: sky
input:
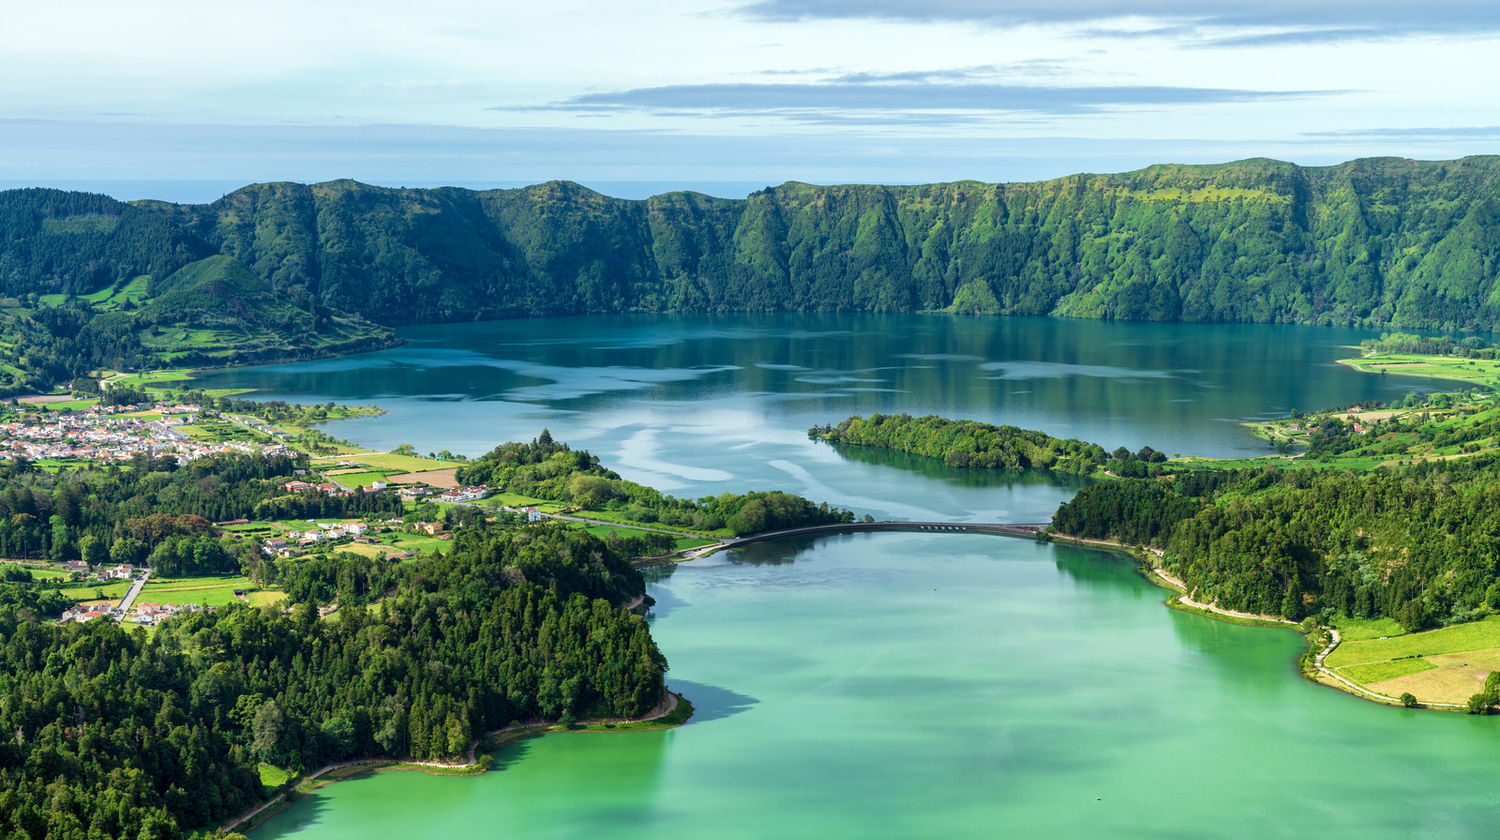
{"type": "Point", "coordinates": [732, 95]}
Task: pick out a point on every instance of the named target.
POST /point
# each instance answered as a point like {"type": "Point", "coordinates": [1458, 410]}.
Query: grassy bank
{"type": "Point", "coordinates": [1474, 372]}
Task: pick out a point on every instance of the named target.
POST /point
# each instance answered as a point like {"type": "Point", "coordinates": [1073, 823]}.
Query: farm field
{"type": "Point", "coordinates": [617, 517]}
{"type": "Point", "coordinates": [384, 461]}
{"type": "Point", "coordinates": [113, 591]}
{"type": "Point", "coordinates": [1437, 666]}
{"type": "Point", "coordinates": [208, 591]}
{"type": "Point", "coordinates": [435, 478]}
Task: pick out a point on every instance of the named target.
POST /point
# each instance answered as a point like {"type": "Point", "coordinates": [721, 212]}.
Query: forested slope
{"type": "Point", "coordinates": [1415, 543]}
{"type": "Point", "coordinates": [1377, 241]}
{"type": "Point", "coordinates": [87, 282]}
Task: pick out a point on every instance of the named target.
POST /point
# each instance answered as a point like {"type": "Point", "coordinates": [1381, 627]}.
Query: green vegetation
{"type": "Point", "coordinates": [1476, 635]}
{"type": "Point", "coordinates": [1453, 665]}
{"type": "Point", "coordinates": [966, 443]}
{"type": "Point", "coordinates": [618, 534]}
{"type": "Point", "coordinates": [87, 282]}
{"type": "Point", "coordinates": [1469, 360]}
{"type": "Point", "coordinates": [271, 776]}
{"type": "Point", "coordinates": [550, 470]}
{"type": "Point", "coordinates": [1359, 629]}
{"type": "Point", "coordinates": [1479, 373]}
{"type": "Point", "coordinates": [208, 590]}
{"type": "Point", "coordinates": [1381, 671]}
{"type": "Point", "coordinates": [1418, 428]}
{"type": "Point", "coordinates": [154, 734]}
{"type": "Point", "coordinates": [1412, 543]}
{"type": "Point", "coordinates": [1379, 241]}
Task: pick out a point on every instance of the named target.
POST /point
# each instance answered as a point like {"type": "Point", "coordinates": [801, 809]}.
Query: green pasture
{"type": "Point", "coordinates": [1482, 372]}
{"type": "Point", "coordinates": [1475, 635]}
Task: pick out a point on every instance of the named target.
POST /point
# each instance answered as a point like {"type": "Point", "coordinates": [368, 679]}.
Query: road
{"type": "Point", "coordinates": [119, 612]}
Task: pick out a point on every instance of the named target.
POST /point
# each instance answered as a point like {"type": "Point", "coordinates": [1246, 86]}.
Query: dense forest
{"type": "Point", "coordinates": [1413, 543]}
{"type": "Point", "coordinates": [547, 469]}
{"type": "Point", "coordinates": [123, 734]}
{"type": "Point", "coordinates": [974, 445]}
{"type": "Point", "coordinates": [285, 270]}
{"type": "Point", "coordinates": [967, 443]}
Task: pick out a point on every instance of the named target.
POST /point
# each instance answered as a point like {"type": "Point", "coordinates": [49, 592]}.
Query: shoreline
{"type": "Point", "coordinates": [472, 765]}
{"type": "Point", "coordinates": [1310, 664]}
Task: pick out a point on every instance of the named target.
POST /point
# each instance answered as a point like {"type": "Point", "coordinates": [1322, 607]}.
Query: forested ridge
{"type": "Point", "coordinates": [87, 282]}
{"type": "Point", "coordinates": [1374, 242]}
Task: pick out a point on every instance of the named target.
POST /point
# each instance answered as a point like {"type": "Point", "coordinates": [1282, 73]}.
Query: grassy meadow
{"type": "Point", "coordinates": [1437, 666]}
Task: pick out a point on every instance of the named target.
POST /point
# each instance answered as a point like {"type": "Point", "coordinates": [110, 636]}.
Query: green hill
{"type": "Point", "coordinates": [88, 282]}
{"type": "Point", "coordinates": [216, 310]}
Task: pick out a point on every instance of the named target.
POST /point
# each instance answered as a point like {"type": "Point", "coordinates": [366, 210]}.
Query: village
{"type": "Point", "coordinates": [116, 433]}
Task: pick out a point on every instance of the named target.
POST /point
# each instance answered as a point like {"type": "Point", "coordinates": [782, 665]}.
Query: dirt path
{"type": "Point", "coordinates": [666, 706]}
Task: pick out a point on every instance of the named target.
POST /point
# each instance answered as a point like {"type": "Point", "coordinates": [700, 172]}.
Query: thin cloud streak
{"type": "Point", "coordinates": [833, 97]}
{"type": "Point", "coordinates": [1445, 14]}
{"type": "Point", "coordinates": [1425, 133]}
{"type": "Point", "coordinates": [1313, 20]}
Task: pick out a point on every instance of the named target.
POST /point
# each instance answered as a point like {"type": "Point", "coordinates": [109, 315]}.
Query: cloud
{"type": "Point", "coordinates": [1471, 132]}
{"type": "Point", "coordinates": [1033, 68]}
{"type": "Point", "coordinates": [80, 154]}
{"type": "Point", "coordinates": [892, 94]}
{"type": "Point", "coordinates": [1289, 21]}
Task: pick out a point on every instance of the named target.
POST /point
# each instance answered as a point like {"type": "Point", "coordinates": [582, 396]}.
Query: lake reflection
{"type": "Point", "coordinates": [699, 405]}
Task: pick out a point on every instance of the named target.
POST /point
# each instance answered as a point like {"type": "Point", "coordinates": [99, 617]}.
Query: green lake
{"type": "Point", "coordinates": [907, 685]}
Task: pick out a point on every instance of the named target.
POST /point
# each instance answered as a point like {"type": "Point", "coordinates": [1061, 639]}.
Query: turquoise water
{"type": "Point", "coordinates": [907, 685]}
{"type": "Point", "coordinates": [921, 685]}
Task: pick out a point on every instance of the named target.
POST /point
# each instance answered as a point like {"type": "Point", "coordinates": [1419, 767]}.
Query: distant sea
{"type": "Point", "coordinates": [202, 192]}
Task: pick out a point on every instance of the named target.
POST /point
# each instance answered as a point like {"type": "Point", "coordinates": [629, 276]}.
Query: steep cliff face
{"type": "Point", "coordinates": [1379, 241]}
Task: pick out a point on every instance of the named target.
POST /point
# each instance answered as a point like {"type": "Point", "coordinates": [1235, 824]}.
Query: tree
{"type": "Point", "coordinates": [338, 736]}
{"type": "Point", "coordinates": [1408, 700]}
{"type": "Point", "coordinates": [267, 730]}
{"type": "Point", "coordinates": [92, 550]}
{"type": "Point", "coordinates": [406, 449]}
{"type": "Point", "coordinates": [1291, 603]}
